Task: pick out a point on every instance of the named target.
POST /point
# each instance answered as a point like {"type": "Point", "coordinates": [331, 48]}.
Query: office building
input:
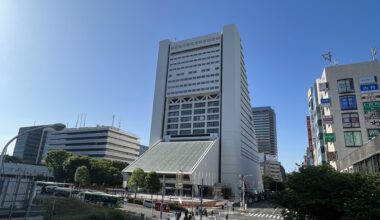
{"type": "Point", "coordinates": [143, 148]}
{"type": "Point", "coordinates": [270, 166]}
{"type": "Point", "coordinates": [30, 146]}
{"type": "Point", "coordinates": [202, 115]}
{"type": "Point", "coordinates": [264, 119]}
{"type": "Point", "coordinates": [344, 108]}
{"type": "Point", "coordinates": [101, 142]}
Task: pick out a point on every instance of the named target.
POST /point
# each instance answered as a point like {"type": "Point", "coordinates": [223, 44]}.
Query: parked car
{"type": "Point", "coordinates": [149, 203]}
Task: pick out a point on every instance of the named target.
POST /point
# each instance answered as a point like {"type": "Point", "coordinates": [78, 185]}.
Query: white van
{"type": "Point", "coordinates": [149, 203]}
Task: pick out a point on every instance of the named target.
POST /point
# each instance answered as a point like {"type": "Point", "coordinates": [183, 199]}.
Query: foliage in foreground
{"type": "Point", "coordinates": [321, 193]}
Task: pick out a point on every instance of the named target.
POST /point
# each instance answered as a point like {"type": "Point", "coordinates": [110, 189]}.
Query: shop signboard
{"type": "Point", "coordinates": [369, 88]}
{"type": "Point", "coordinates": [370, 106]}
{"type": "Point", "coordinates": [372, 119]}
{"type": "Point", "coordinates": [329, 137]}
{"type": "Point", "coordinates": [327, 119]}
{"type": "Point", "coordinates": [367, 80]}
{"type": "Point", "coordinates": [373, 132]}
{"type": "Point", "coordinates": [325, 102]}
{"type": "Point", "coordinates": [370, 97]}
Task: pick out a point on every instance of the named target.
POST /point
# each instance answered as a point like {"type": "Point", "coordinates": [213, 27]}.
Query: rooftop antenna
{"type": "Point", "coordinates": [373, 53]}
{"type": "Point", "coordinates": [76, 124]}
{"type": "Point", "coordinates": [327, 57]}
{"type": "Point", "coordinates": [84, 123]}
{"type": "Point", "coordinates": [113, 119]}
{"type": "Point", "coordinates": [80, 119]}
{"type": "Point", "coordinates": [119, 124]}
{"type": "Point", "coordinates": [34, 123]}
{"type": "Point", "coordinates": [67, 124]}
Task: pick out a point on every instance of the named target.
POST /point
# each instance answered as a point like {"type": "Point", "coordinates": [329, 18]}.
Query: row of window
{"type": "Point", "coordinates": [195, 125]}
{"type": "Point", "coordinates": [194, 77]}
{"type": "Point", "coordinates": [199, 59]}
{"type": "Point", "coordinates": [196, 105]}
{"type": "Point", "coordinates": [196, 111]}
{"type": "Point", "coordinates": [196, 118]}
{"type": "Point", "coordinates": [195, 131]}
{"type": "Point", "coordinates": [193, 84]}
{"type": "Point", "coordinates": [193, 90]}
{"type": "Point", "coordinates": [195, 42]}
{"type": "Point", "coordinates": [195, 65]}
{"type": "Point", "coordinates": [193, 72]}
{"type": "Point", "coordinates": [196, 54]}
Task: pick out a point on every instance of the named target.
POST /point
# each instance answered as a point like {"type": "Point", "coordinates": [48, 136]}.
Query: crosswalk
{"type": "Point", "coordinates": [264, 215]}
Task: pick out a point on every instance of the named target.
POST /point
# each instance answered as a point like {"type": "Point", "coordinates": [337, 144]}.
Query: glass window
{"type": "Point", "coordinates": [200, 104]}
{"type": "Point", "coordinates": [173, 126]}
{"type": "Point", "coordinates": [172, 133]}
{"type": "Point", "coordinates": [185, 132]}
{"type": "Point", "coordinates": [199, 125]}
{"type": "Point", "coordinates": [171, 120]}
{"type": "Point", "coordinates": [353, 138]}
{"type": "Point", "coordinates": [213, 110]}
{"type": "Point", "coordinates": [173, 113]}
{"type": "Point", "coordinates": [186, 125]}
{"type": "Point", "coordinates": [346, 85]}
{"type": "Point", "coordinates": [198, 131]}
{"type": "Point", "coordinates": [186, 112]}
{"type": "Point", "coordinates": [214, 103]}
{"type": "Point", "coordinates": [212, 117]}
{"type": "Point", "coordinates": [199, 111]}
{"type": "Point", "coordinates": [186, 106]}
{"type": "Point", "coordinates": [213, 130]}
{"type": "Point", "coordinates": [174, 107]}
{"type": "Point", "coordinates": [350, 120]}
{"type": "Point", "coordinates": [199, 118]}
{"type": "Point", "coordinates": [184, 119]}
{"type": "Point", "coordinates": [348, 102]}
{"type": "Point", "coordinates": [212, 124]}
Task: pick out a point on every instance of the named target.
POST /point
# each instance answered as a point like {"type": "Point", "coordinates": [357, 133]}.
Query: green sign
{"type": "Point", "coordinates": [369, 106]}
{"type": "Point", "coordinates": [329, 137]}
{"type": "Point", "coordinates": [373, 132]}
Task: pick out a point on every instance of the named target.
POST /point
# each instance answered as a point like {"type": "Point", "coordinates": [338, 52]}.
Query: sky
{"type": "Point", "coordinates": [61, 59]}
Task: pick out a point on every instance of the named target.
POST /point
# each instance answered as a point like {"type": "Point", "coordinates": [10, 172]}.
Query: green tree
{"type": "Point", "coordinates": [119, 165]}
{"type": "Point", "coordinates": [99, 172]}
{"type": "Point", "coordinates": [137, 179]}
{"type": "Point", "coordinates": [12, 159]}
{"type": "Point", "coordinates": [71, 164]}
{"type": "Point", "coordinates": [321, 193]}
{"type": "Point", "coordinates": [116, 179]}
{"type": "Point", "coordinates": [55, 160]}
{"type": "Point", "coordinates": [152, 182]}
{"type": "Point", "coordinates": [82, 176]}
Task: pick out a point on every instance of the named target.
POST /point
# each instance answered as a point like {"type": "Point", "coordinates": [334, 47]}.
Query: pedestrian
{"type": "Point", "coordinates": [227, 217]}
{"type": "Point", "coordinates": [212, 213]}
{"type": "Point", "coordinates": [186, 212]}
{"type": "Point", "coordinates": [205, 211]}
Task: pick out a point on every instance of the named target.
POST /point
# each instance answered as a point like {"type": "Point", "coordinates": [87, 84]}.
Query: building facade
{"type": "Point", "coordinates": [264, 119]}
{"type": "Point", "coordinates": [344, 110]}
{"type": "Point", "coordinates": [102, 142]}
{"type": "Point", "coordinates": [30, 146]}
{"type": "Point", "coordinates": [201, 94]}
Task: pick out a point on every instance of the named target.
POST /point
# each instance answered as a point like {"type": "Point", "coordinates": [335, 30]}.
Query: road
{"type": "Point", "coordinates": [260, 211]}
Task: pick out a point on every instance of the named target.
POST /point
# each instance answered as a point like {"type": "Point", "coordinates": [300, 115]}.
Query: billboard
{"type": "Point", "coordinates": [369, 88]}
{"type": "Point", "coordinates": [329, 137]}
{"type": "Point", "coordinates": [367, 80]}
{"type": "Point", "coordinates": [373, 132]}
{"type": "Point", "coordinates": [370, 97]}
{"type": "Point", "coordinates": [325, 102]}
{"type": "Point", "coordinates": [327, 119]}
{"type": "Point", "coordinates": [309, 136]}
{"type": "Point", "coordinates": [370, 106]}
{"type": "Point", "coordinates": [372, 119]}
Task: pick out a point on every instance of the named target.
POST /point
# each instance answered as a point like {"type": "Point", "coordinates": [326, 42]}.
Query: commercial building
{"type": "Point", "coordinates": [143, 148]}
{"type": "Point", "coordinates": [309, 156]}
{"type": "Point", "coordinates": [264, 119]}
{"type": "Point", "coordinates": [30, 146]}
{"type": "Point", "coordinates": [270, 166]}
{"type": "Point", "coordinates": [202, 115]}
{"type": "Point", "coordinates": [102, 142]}
{"type": "Point", "coordinates": [344, 106]}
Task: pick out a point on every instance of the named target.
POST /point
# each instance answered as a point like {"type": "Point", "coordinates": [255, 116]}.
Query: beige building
{"type": "Point", "coordinates": [349, 101]}
{"type": "Point", "coordinates": [270, 166]}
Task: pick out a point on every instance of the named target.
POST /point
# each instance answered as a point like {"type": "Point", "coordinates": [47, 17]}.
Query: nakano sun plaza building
{"type": "Point", "coordinates": [202, 126]}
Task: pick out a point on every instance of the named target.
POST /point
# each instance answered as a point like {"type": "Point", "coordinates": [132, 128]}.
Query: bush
{"type": "Point", "coordinates": [177, 207]}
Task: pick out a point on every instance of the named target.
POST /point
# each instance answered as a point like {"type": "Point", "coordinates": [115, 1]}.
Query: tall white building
{"type": "Point", "coordinates": [345, 110]}
{"type": "Point", "coordinates": [202, 106]}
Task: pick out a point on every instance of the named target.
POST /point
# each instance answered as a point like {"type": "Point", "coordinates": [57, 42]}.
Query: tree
{"type": "Point", "coordinates": [152, 182]}
{"type": "Point", "coordinates": [267, 180]}
{"type": "Point", "coordinates": [322, 193]}
{"type": "Point", "coordinates": [82, 176]}
{"type": "Point", "coordinates": [99, 171]}
{"type": "Point", "coordinates": [119, 165]}
{"type": "Point", "coordinates": [71, 164]}
{"type": "Point", "coordinates": [55, 160]}
{"type": "Point", "coordinates": [116, 179]}
{"type": "Point", "coordinates": [12, 159]}
{"type": "Point", "coordinates": [137, 179]}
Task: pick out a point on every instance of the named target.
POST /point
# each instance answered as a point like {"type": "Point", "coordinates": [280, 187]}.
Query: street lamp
{"type": "Point", "coordinates": [244, 189]}
{"type": "Point", "coordinates": [57, 127]}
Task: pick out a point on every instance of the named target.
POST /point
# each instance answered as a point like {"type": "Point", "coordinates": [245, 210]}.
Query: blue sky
{"type": "Point", "coordinates": [59, 59]}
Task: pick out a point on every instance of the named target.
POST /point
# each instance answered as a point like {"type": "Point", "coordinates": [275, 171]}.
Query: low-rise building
{"type": "Point", "coordinates": [102, 142]}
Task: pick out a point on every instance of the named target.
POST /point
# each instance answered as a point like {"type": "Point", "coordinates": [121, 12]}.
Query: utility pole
{"type": "Point", "coordinates": [163, 194]}
{"type": "Point", "coordinates": [202, 199]}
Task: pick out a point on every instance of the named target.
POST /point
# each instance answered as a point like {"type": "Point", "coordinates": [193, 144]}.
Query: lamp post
{"type": "Point", "coordinates": [244, 189]}
{"type": "Point", "coordinates": [57, 127]}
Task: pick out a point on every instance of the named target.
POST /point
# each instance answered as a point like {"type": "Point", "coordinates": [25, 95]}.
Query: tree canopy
{"type": "Point", "coordinates": [152, 182]}
{"type": "Point", "coordinates": [322, 193]}
{"type": "Point", "coordinates": [82, 176]}
{"type": "Point", "coordinates": [137, 179]}
{"type": "Point", "coordinates": [55, 160]}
